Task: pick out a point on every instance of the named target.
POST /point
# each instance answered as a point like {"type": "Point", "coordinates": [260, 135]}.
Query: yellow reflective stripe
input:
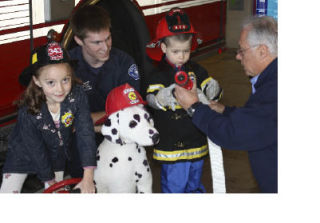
{"type": "Point", "coordinates": [176, 107]}
{"type": "Point", "coordinates": [205, 82]}
{"type": "Point", "coordinates": [154, 87]}
{"type": "Point", "coordinates": [181, 154]}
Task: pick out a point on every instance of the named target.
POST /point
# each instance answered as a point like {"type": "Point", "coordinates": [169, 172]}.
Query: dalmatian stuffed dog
{"type": "Point", "coordinates": [122, 165]}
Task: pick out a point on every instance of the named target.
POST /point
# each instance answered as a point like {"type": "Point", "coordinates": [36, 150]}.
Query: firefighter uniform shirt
{"type": "Point", "coordinates": [98, 82]}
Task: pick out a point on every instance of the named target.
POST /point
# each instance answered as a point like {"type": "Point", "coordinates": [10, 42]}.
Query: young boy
{"type": "Point", "coordinates": [182, 146]}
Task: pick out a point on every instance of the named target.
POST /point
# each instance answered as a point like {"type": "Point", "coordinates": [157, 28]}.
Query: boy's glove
{"type": "Point", "coordinates": [202, 97]}
{"type": "Point", "coordinates": [165, 98]}
{"type": "Point", "coordinates": [212, 89]}
{"type": "Point", "coordinates": [153, 103]}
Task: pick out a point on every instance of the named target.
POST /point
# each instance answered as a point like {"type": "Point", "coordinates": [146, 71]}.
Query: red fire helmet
{"type": "Point", "coordinates": [175, 22]}
{"type": "Point", "coordinates": [119, 98]}
{"type": "Point", "coordinates": [122, 97]}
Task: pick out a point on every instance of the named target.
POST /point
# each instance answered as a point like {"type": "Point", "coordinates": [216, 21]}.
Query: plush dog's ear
{"type": "Point", "coordinates": [110, 128]}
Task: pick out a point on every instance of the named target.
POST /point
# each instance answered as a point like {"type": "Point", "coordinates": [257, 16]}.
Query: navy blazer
{"type": "Point", "coordinates": [37, 146]}
{"type": "Point", "coordinates": [252, 128]}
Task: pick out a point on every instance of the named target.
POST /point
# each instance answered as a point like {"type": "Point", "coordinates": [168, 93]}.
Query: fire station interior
{"type": "Point", "coordinates": [220, 62]}
{"type": "Point", "coordinates": [236, 87]}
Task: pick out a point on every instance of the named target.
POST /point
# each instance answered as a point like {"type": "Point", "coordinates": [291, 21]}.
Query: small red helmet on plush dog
{"type": "Point", "coordinates": [175, 22]}
{"type": "Point", "coordinates": [120, 98]}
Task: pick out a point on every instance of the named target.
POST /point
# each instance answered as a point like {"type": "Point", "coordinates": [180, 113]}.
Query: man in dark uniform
{"type": "Point", "coordinates": [100, 66]}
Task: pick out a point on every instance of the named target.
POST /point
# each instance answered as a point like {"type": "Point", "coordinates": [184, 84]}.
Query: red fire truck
{"type": "Point", "coordinates": [24, 25]}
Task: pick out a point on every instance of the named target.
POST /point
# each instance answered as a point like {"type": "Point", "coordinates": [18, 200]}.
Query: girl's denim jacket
{"type": "Point", "coordinates": [37, 146]}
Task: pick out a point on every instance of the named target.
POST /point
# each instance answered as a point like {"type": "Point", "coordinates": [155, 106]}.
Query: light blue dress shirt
{"type": "Point", "coordinates": [253, 82]}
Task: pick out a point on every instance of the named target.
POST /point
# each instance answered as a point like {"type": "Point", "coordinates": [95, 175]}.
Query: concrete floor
{"type": "Point", "coordinates": [229, 73]}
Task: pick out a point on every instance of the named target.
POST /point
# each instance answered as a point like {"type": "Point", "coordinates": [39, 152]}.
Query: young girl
{"type": "Point", "coordinates": [52, 106]}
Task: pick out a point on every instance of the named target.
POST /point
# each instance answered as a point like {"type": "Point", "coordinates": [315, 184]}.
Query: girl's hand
{"type": "Point", "coordinates": [86, 185]}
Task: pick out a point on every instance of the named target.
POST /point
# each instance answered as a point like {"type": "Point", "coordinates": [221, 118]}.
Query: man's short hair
{"type": "Point", "coordinates": [89, 18]}
{"type": "Point", "coordinates": [263, 30]}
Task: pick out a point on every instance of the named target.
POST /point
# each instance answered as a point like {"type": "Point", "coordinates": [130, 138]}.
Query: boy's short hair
{"type": "Point", "coordinates": [183, 37]}
{"type": "Point", "coordinates": [89, 18]}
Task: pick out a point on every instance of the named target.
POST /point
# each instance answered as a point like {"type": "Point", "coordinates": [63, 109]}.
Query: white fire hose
{"type": "Point", "coordinates": [216, 160]}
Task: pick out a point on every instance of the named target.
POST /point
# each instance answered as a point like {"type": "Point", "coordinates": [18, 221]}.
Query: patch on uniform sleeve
{"type": "Point", "coordinates": [133, 72]}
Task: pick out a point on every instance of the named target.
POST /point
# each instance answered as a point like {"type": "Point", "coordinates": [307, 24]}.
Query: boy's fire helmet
{"type": "Point", "coordinates": [175, 22]}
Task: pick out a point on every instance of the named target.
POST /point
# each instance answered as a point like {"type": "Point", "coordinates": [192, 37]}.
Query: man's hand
{"type": "Point", "coordinates": [97, 128]}
{"type": "Point", "coordinates": [96, 116]}
{"type": "Point", "coordinates": [216, 106]}
{"type": "Point", "coordinates": [186, 97]}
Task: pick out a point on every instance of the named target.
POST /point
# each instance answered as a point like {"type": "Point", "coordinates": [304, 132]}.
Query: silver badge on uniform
{"type": "Point", "coordinates": [133, 72]}
{"type": "Point", "coordinates": [86, 86]}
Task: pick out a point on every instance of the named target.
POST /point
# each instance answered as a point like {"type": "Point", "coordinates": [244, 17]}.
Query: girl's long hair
{"type": "Point", "coordinates": [33, 97]}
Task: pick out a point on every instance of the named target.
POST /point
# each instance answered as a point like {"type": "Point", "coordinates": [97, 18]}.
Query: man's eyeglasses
{"type": "Point", "coordinates": [242, 51]}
